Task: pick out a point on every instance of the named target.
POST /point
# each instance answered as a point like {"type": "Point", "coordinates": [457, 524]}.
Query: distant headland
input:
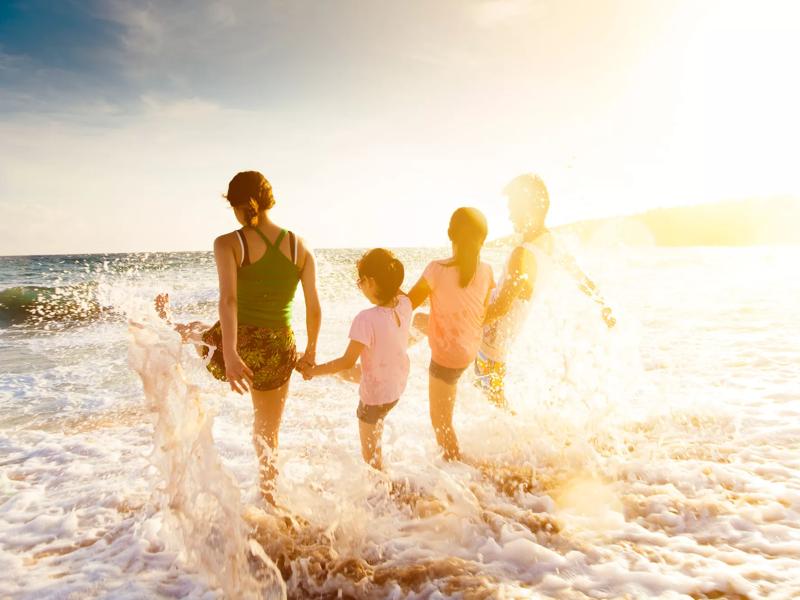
{"type": "Point", "coordinates": [732, 223]}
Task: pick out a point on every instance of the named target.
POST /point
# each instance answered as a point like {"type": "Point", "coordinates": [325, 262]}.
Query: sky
{"type": "Point", "coordinates": [121, 122]}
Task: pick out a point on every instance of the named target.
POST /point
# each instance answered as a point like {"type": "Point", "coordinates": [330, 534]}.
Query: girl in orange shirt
{"type": "Point", "coordinates": [459, 288]}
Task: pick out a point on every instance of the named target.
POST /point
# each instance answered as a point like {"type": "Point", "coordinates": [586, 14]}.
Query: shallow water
{"type": "Point", "coordinates": [656, 460]}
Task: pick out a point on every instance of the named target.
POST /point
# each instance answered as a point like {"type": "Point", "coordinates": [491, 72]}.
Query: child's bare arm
{"type": "Point", "coordinates": [353, 374]}
{"type": "Point", "coordinates": [345, 361]}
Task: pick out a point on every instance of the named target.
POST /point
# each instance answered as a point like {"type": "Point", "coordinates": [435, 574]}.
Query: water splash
{"type": "Point", "coordinates": [687, 488]}
{"type": "Point", "coordinates": [200, 500]}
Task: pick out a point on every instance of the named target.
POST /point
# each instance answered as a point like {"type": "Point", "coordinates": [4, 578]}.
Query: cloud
{"type": "Point", "coordinates": [184, 109]}
{"type": "Point", "coordinates": [12, 62]}
{"type": "Point", "coordinates": [350, 107]}
{"type": "Point", "coordinates": [53, 58]}
{"type": "Point", "coordinates": [261, 54]}
{"type": "Point", "coordinates": [346, 57]}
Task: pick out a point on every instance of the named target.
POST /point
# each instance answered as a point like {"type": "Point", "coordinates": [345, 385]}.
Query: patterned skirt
{"type": "Point", "coordinates": [270, 353]}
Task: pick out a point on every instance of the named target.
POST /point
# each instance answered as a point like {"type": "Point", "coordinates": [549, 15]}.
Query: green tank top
{"type": "Point", "coordinates": [265, 289]}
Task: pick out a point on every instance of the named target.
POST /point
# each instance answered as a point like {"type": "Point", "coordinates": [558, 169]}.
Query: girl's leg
{"type": "Point", "coordinates": [268, 410]}
{"type": "Point", "coordinates": [371, 442]}
{"type": "Point", "coordinates": [442, 397]}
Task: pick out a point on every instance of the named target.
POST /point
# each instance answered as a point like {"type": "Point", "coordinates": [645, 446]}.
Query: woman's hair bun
{"type": "Point", "coordinates": [250, 191]}
{"type": "Point", "coordinates": [251, 212]}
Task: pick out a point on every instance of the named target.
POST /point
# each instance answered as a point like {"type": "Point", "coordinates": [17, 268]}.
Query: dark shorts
{"type": "Point", "coordinates": [270, 353]}
{"type": "Point", "coordinates": [446, 374]}
{"type": "Point", "coordinates": [372, 413]}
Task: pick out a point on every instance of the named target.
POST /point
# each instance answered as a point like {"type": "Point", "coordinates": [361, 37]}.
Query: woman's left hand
{"type": "Point", "coordinates": [238, 374]}
{"type": "Point", "coordinates": [306, 361]}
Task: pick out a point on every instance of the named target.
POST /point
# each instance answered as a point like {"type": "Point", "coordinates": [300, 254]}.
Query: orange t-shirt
{"type": "Point", "coordinates": [456, 323]}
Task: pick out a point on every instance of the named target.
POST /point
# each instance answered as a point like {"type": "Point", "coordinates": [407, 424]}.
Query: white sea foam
{"type": "Point", "coordinates": [200, 501]}
{"type": "Point", "coordinates": [656, 460]}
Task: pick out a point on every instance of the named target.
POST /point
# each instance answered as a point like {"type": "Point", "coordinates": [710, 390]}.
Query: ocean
{"type": "Point", "coordinates": [658, 459]}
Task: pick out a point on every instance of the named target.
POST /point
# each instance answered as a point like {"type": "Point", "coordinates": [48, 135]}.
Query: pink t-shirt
{"type": "Point", "coordinates": [456, 323]}
{"type": "Point", "coordinates": [384, 359]}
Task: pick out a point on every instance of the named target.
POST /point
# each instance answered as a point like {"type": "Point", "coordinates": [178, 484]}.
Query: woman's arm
{"type": "Point", "coordinates": [419, 293]}
{"type": "Point", "coordinates": [344, 362]}
{"type": "Point", "coordinates": [237, 373]}
{"type": "Point", "coordinates": [308, 277]}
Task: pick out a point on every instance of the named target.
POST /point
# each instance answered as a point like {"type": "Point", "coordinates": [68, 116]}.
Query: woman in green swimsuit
{"type": "Point", "coordinates": [259, 267]}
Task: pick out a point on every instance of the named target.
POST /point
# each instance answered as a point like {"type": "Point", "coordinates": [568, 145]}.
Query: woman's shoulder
{"type": "Point", "coordinates": [305, 252]}
{"type": "Point", "coordinates": [227, 239]}
{"type": "Point", "coordinates": [301, 241]}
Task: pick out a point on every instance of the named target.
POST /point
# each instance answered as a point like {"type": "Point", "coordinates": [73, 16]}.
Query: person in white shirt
{"type": "Point", "coordinates": [528, 266]}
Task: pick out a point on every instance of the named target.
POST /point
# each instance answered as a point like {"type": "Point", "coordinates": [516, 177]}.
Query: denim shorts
{"type": "Point", "coordinates": [446, 374]}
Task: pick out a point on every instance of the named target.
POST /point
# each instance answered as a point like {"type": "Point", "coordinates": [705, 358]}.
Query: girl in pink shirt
{"type": "Point", "coordinates": [459, 288]}
{"type": "Point", "coordinates": [379, 337]}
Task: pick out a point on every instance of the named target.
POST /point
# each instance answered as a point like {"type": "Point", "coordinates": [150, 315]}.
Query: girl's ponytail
{"type": "Point", "coordinates": [467, 231]}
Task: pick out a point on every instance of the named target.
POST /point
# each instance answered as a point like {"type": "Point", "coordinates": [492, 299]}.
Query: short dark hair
{"type": "Point", "coordinates": [530, 186]}
{"type": "Point", "coordinates": [385, 268]}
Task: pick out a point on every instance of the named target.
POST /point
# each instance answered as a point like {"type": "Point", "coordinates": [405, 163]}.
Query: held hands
{"type": "Point", "coordinates": [237, 373]}
{"type": "Point", "coordinates": [306, 364]}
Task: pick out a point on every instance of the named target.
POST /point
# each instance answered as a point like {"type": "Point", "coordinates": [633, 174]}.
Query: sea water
{"type": "Point", "coordinates": [658, 459]}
